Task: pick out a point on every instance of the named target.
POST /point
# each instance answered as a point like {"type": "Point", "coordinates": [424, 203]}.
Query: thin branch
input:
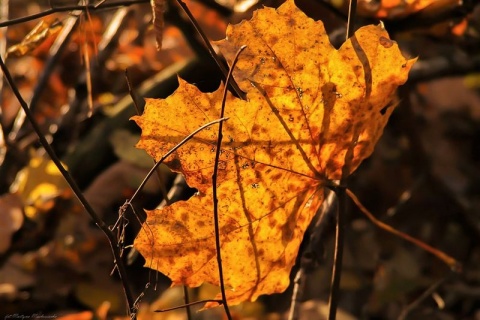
{"type": "Point", "coordinates": [4, 6]}
{"type": "Point", "coordinates": [133, 95]}
{"type": "Point", "coordinates": [188, 305]}
{"type": "Point", "coordinates": [338, 254]}
{"type": "Point", "coordinates": [76, 190]}
{"type": "Point", "coordinates": [297, 293]}
{"type": "Point", "coordinates": [450, 261]}
{"type": "Point", "coordinates": [89, 7]}
{"type": "Point", "coordinates": [136, 103]}
{"type": "Point", "coordinates": [186, 299]}
{"type": "Point", "coordinates": [214, 55]}
{"type": "Point", "coordinates": [427, 293]}
{"type": "Point", "coordinates": [352, 13]}
{"type": "Point", "coordinates": [181, 143]}
{"type": "Point", "coordinates": [55, 53]}
{"type": "Point", "coordinates": [342, 200]}
{"type": "Point", "coordinates": [331, 8]}
{"type": "Point", "coordinates": [214, 182]}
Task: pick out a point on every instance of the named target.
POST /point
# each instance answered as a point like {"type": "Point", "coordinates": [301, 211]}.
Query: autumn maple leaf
{"type": "Point", "coordinates": [312, 114]}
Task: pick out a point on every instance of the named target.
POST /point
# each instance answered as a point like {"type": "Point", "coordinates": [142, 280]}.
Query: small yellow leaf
{"type": "Point", "coordinates": [38, 185]}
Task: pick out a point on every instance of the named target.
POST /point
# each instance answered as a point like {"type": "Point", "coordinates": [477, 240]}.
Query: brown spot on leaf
{"type": "Point", "coordinates": [385, 42]}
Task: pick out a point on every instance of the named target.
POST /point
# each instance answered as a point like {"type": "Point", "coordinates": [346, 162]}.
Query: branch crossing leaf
{"type": "Point", "coordinates": [312, 114]}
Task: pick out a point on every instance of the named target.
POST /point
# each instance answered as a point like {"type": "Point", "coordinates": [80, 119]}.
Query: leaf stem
{"type": "Point", "coordinates": [214, 182]}
{"type": "Point", "coordinates": [214, 55]}
{"type": "Point", "coordinates": [90, 7]}
{"type": "Point", "coordinates": [76, 190]}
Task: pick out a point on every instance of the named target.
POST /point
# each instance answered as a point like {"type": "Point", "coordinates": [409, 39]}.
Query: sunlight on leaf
{"type": "Point", "coordinates": [312, 114]}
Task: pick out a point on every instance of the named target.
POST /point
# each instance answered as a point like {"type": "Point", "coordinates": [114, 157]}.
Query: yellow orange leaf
{"type": "Point", "coordinates": [312, 114]}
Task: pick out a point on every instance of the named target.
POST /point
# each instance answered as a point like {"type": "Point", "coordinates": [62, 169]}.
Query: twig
{"type": "Point", "coordinates": [451, 262]}
{"type": "Point", "coordinates": [76, 190]}
{"type": "Point", "coordinates": [4, 5]}
{"type": "Point", "coordinates": [135, 99]}
{"type": "Point", "coordinates": [181, 143]}
{"type": "Point", "coordinates": [403, 315]}
{"type": "Point", "coordinates": [188, 305]}
{"type": "Point", "coordinates": [342, 200]}
{"type": "Point", "coordinates": [214, 55]}
{"type": "Point", "coordinates": [186, 299]}
{"type": "Point", "coordinates": [297, 293]}
{"type": "Point", "coordinates": [133, 95]}
{"type": "Point", "coordinates": [338, 254]}
{"type": "Point", "coordinates": [162, 186]}
{"type": "Point", "coordinates": [90, 7]}
{"type": "Point", "coordinates": [331, 8]}
{"type": "Point", "coordinates": [54, 55]}
{"type": "Point", "coordinates": [406, 196]}
{"type": "Point", "coordinates": [352, 10]}
{"type": "Point", "coordinates": [214, 182]}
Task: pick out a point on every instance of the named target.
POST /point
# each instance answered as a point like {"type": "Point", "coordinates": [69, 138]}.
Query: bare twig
{"type": "Point", "coordinates": [214, 55]}
{"type": "Point", "coordinates": [54, 55]}
{"type": "Point", "coordinates": [4, 5]}
{"type": "Point", "coordinates": [188, 305]}
{"type": "Point", "coordinates": [451, 262]}
{"type": "Point", "coordinates": [90, 7]}
{"type": "Point", "coordinates": [338, 253]}
{"type": "Point", "coordinates": [214, 182]}
{"type": "Point", "coordinates": [133, 95]}
{"type": "Point", "coordinates": [136, 103]}
{"type": "Point", "coordinates": [297, 293]}
{"type": "Point", "coordinates": [186, 299]}
{"type": "Point", "coordinates": [181, 143]}
{"type": "Point", "coordinates": [427, 293]}
{"type": "Point", "coordinates": [342, 200]}
{"type": "Point", "coordinates": [164, 192]}
{"type": "Point", "coordinates": [76, 190]}
{"type": "Point", "coordinates": [352, 9]}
